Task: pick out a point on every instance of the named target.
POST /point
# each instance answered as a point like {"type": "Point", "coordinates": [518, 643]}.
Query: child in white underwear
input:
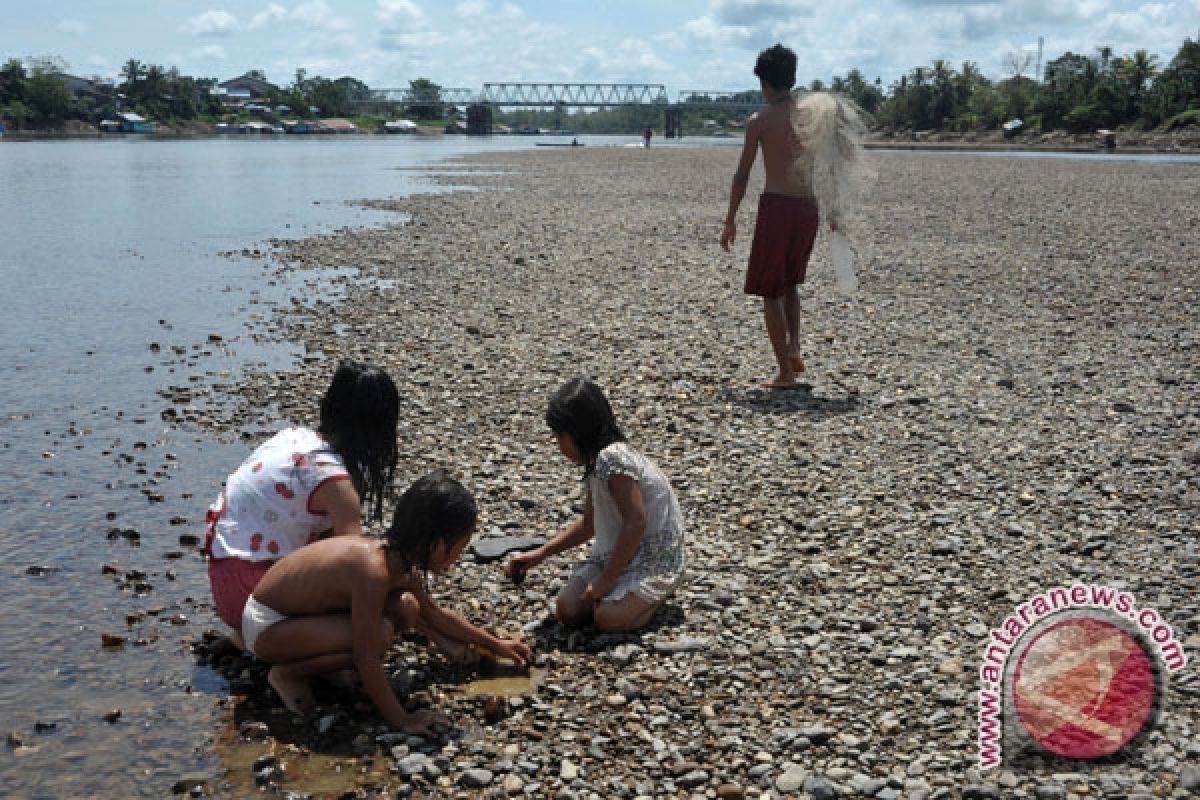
{"type": "Point", "coordinates": [322, 608]}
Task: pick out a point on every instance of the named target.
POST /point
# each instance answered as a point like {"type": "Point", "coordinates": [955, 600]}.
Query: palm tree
{"type": "Point", "coordinates": [1136, 73]}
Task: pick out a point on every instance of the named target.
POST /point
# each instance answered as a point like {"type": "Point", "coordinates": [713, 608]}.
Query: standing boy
{"type": "Point", "coordinates": [787, 212]}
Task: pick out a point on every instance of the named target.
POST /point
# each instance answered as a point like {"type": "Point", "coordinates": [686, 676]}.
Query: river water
{"type": "Point", "coordinates": [122, 275]}
{"type": "Point", "coordinates": [127, 268]}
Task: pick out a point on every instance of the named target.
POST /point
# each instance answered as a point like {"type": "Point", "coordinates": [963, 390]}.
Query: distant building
{"type": "Point", "coordinates": [336, 125]}
{"type": "Point", "coordinates": [83, 87]}
{"type": "Point", "coordinates": [127, 122]}
{"type": "Point", "coordinates": [244, 91]}
{"type": "Point", "coordinates": [255, 86]}
{"type": "Point", "coordinates": [136, 123]}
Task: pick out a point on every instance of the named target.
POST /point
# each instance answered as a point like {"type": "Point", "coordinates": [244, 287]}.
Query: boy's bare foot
{"type": "Point", "coordinates": [779, 382]}
{"type": "Point", "coordinates": [294, 692]}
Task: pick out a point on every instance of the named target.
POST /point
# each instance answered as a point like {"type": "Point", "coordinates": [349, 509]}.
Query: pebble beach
{"type": "Point", "coordinates": [1009, 403]}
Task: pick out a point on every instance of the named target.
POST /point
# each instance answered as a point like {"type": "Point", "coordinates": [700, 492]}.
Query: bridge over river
{"type": "Point", "coordinates": [480, 102]}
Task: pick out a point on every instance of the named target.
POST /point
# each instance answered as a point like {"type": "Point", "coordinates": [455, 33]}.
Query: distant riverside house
{"type": "Point", "coordinates": [248, 88]}
{"type": "Point", "coordinates": [233, 98]}
{"type": "Point", "coordinates": [400, 126]}
{"type": "Point", "coordinates": [128, 122]}
{"type": "Point", "coordinates": [299, 126]}
{"type": "Point", "coordinates": [83, 87]}
{"type": "Point", "coordinates": [336, 125]}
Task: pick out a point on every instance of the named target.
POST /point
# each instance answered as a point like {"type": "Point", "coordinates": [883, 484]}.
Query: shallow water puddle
{"type": "Point", "coordinates": [506, 681]}
{"type": "Point", "coordinates": [317, 774]}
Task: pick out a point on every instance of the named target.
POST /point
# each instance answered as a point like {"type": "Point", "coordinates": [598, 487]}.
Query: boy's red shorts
{"type": "Point", "coordinates": [783, 241]}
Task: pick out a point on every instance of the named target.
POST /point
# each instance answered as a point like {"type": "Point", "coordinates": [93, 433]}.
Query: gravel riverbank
{"type": "Point", "coordinates": [1009, 404]}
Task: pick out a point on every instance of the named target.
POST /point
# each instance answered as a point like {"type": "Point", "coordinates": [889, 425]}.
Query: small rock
{"type": "Point", "coordinates": [475, 778]}
{"type": "Point", "coordinates": [189, 783]}
{"type": "Point", "coordinates": [792, 778]}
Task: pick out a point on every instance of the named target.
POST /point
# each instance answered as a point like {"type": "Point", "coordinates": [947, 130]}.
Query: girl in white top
{"type": "Point", "coordinates": [303, 484]}
{"type": "Point", "coordinates": [631, 515]}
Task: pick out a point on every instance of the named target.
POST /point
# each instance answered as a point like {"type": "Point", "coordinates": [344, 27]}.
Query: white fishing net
{"type": "Point", "coordinates": [829, 129]}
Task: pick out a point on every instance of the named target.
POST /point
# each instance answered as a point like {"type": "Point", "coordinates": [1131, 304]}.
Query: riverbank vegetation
{"type": "Point", "coordinates": [1076, 93]}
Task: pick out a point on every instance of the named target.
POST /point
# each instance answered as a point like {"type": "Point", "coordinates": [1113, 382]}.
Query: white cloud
{"type": "Point", "coordinates": [758, 13]}
{"type": "Point", "coordinates": [471, 8]}
{"type": "Point", "coordinates": [317, 14]}
{"type": "Point", "coordinates": [72, 26]}
{"type": "Point", "coordinates": [273, 14]}
{"type": "Point", "coordinates": [213, 22]}
{"type": "Point", "coordinates": [401, 14]}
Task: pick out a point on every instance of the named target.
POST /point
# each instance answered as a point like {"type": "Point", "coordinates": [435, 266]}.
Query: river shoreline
{"type": "Point", "coordinates": [1008, 405]}
{"type": "Point", "coordinates": [1184, 142]}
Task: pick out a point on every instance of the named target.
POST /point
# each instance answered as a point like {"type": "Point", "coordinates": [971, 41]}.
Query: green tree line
{"type": "Point", "coordinates": [1075, 92]}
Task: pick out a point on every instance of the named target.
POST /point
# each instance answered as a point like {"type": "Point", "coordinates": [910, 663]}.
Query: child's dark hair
{"type": "Point", "coordinates": [436, 508]}
{"type": "Point", "coordinates": [579, 408]}
{"type": "Point", "coordinates": [359, 413]}
{"type": "Point", "coordinates": [776, 67]}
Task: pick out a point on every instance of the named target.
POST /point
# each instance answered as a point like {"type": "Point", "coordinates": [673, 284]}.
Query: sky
{"type": "Point", "coordinates": [701, 44]}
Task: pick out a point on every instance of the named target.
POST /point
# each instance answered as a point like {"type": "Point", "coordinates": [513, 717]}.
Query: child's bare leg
{"type": "Point", "coordinates": [301, 647]}
{"type": "Point", "coordinates": [291, 680]}
{"type": "Point", "coordinates": [569, 607]}
{"type": "Point", "coordinates": [791, 310]}
{"type": "Point", "coordinates": [627, 614]}
{"type": "Point", "coordinates": [775, 315]}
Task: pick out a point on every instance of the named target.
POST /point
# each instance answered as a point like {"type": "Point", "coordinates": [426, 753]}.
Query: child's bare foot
{"type": "Point", "coordinates": [294, 692]}
{"type": "Point", "coordinates": [797, 362]}
{"type": "Point", "coordinates": [343, 679]}
{"type": "Point", "coordinates": [781, 381]}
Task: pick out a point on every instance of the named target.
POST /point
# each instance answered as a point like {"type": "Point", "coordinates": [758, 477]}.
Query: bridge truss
{"type": "Point", "coordinates": [579, 95]}
{"type": "Point", "coordinates": [531, 95]}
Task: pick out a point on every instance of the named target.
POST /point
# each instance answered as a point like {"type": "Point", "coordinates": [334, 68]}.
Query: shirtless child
{"type": "Point", "coordinates": [326, 607]}
{"type": "Point", "coordinates": [788, 209]}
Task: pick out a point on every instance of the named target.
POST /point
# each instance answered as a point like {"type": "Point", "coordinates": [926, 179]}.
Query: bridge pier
{"type": "Point", "coordinates": [673, 122]}
{"type": "Point", "coordinates": [479, 119]}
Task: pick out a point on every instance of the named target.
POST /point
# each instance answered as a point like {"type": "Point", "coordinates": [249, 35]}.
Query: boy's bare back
{"type": "Point", "coordinates": [320, 578]}
{"type": "Point", "coordinates": [773, 129]}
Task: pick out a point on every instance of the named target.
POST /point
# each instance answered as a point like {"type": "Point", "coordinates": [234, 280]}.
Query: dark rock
{"type": "Point", "coordinates": [493, 548]}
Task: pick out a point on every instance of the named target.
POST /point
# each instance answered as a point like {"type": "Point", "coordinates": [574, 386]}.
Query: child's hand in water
{"type": "Point", "coordinates": [516, 651]}
{"type": "Point", "coordinates": [425, 723]}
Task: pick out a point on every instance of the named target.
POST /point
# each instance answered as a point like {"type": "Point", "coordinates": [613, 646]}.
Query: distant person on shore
{"type": "Point", "coordinates": [302, 485]}
{"type": "Point", "coordinates": [811, 153]}
{"type": "Point", "coordinates": [336, 604]}
{"type": "Point", "coordinates": [630, 513]}
{"type": "Point", "coordinates": [647, 135]}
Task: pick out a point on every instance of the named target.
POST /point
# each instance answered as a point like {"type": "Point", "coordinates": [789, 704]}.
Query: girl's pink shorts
{"type": "Point", "coordinates": [233, 580]}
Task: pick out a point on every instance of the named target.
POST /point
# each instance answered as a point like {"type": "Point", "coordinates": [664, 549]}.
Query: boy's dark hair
{"type": "Point", "coordinates": [436, 508]}
{"type": "Point", "coordinates": [580, 409]}
{"type": "Point", "coordinates": [359, 413]}
{"type": "Point", "coordinates": [776, 67]}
